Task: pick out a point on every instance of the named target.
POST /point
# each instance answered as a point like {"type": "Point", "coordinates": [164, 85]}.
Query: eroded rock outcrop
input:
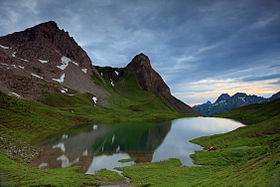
{"type": "Point", "coordinates": [151, 81]}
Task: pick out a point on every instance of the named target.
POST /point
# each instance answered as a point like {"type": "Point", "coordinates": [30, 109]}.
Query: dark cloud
{"type": "Point", "coordinates": [186, 40]}
{"type": "Point", "coordinates": [261, 78]}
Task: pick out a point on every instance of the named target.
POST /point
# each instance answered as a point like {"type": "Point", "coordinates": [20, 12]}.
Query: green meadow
{"type": "Point", "coordinates": [248, 156]}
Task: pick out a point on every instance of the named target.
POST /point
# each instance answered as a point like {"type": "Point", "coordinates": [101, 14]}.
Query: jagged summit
{"type": "Point", "coordinates": [225, 102]}
{"type": "Point", "coordinates": [222, 97]}
{"type": "Point", "coordinates": [139, 61]}
{"type": "Point", "coordinates": [240, 94]}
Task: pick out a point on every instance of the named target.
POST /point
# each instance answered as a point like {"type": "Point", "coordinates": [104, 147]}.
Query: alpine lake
{"type": "Point", "coordinates": [97, 146]}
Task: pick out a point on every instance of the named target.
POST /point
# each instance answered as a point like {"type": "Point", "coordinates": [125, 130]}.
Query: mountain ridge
{"type": "Point", "coordinates": [225, 102]}
{"type": "Point", "coordinates": [49, 61]}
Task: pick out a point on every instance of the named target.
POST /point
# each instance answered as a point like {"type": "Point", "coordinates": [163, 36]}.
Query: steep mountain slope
{"type": "Point", "coordinates": [43, 60]}
{"type": "Point", "coordinates": [139, 83]}
{"type": "Point", "coordinates": [151, 81]}
{"type": "Point", "coordinates": [45, 64]}
{"type": "Point", "coordinates": [224, 103]}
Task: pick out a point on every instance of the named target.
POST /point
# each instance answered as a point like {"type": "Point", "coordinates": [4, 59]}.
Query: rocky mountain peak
{"type": "Point", "coordinates": [275, 96]}
{"type": "Point", "coordinates": [151, 81]}
{"type": "Point", "coordinates": [45, 55]}
{"type": "Point", "coordinates": [50, 26]}
{"type": "Point", "coordinates": [46, 40]}
{"type": "Point", "coordinates": [140, 61]}
{"type": "Point", "coordinates": [146, 76]}
{"type": "Point", "coordinates": [239, 94]}
{"type": "Point", "coordinates": [222, 97]}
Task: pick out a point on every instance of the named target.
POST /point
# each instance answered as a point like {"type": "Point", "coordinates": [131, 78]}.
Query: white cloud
{"type": "Point", "coordinates": [263, 22]}
{"type": "Point", "coordinates": [210, 89]}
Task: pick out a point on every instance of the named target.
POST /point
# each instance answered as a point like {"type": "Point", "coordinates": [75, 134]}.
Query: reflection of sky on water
{"type": "Point", "coordinates": [108, 162]}
{"type": "Point", "coordinates": [207, 126]}
{"type": "Point", "coordinates": [177, 145]}
{"type": "Point", "coordinates": [101, 146]}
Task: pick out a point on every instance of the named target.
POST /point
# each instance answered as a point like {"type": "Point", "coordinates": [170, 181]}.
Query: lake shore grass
{"type": "Point", "coordinates": [23, 124]}
{"type": "Point", "coordinates": [247, 156]}
{"type": "Point", "coordinates": [127, 160]}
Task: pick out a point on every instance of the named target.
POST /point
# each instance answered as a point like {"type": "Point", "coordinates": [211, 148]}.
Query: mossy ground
{"type": "Point", "coordinates": [248, 156]}
{"type": "Point", "coordinates": [14, 174]}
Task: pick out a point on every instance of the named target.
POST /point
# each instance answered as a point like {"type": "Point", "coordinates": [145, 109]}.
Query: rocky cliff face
{"type": "Point", "coordinates": [151, 81]}
{"type": "Point", "coordinates": [147, 78]}
{"type": "Point", "coordinates": [45, 59]}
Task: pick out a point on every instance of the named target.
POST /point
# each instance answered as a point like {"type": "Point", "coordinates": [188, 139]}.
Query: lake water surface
{"type": "Point", "coordinates": [98, 146]}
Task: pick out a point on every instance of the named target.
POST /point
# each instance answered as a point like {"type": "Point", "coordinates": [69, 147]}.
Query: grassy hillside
{"type": "Point", "coordinates": [127, 94]}
{"type": "Point", "coordinates": [25, 123]}
{"type": "Point", "coordinates": [255, 113]}
{"type": "Point", "coordinates": [248, 156]}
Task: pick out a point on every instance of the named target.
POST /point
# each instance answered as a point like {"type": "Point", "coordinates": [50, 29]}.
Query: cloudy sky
{"type": "Point", "coordinates": [200, 48]}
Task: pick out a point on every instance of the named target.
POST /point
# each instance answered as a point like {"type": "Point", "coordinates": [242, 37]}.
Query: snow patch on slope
{"type": "Point", "coordinates": [64, 90]}
{"type": "Point", "coordinates": [112, 83]}
{"type": "Point", "coordinates": [84, 70]}
{"type": "Point", "coordinates": [42, 165]}
{"type": "Point", "coordinates": [65, 62]}
{"type": "Point", "coordinates": [94, 99]}
{"type": "Point", "coordinates": [14, 54]}
{"type": "Point", "coordinates": [242, 98]}
{"type": "Point", "coordinates": [66, 162]}
{"type": "Point", "coordinates": [15, 94]}
{"type": "Point", "coordinates": [61, 79]}
{"type": "Point", "coordinates": [60, 146]}
{"type": "Point", "coordinates": [37, 76]}
{"type": "Point", "coordinates": [64, 136]}
{"type": "Point", "coordinates": [23, 60]}
{"type": "Point", "coordinates": [4, 47]}
{"type": "Point", "coordinates": [43, 61]}
{"type": "Point", "coordinates": [4, 64]}
{"type": "Point", "coordinates": [85, 153]}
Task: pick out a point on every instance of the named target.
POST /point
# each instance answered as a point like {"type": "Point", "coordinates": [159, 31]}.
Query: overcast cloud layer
{"type": "Point", "coordinates": [200, 48]}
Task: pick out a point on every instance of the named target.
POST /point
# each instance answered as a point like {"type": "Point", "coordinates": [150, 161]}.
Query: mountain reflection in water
{"type": "Point", "coordinates": [94, 147]}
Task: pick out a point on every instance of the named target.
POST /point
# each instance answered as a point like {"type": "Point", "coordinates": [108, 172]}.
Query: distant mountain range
{"type": "Point", "coordinates": [225, 102]}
